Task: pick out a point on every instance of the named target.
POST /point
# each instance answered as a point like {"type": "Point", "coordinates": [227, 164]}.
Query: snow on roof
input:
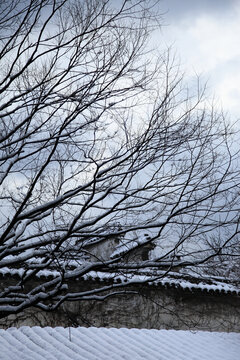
{"type": "Point", "coordinates": [130, 244]}
{"type": "Point", "coordinates": [172, 280]}
{"type": "Point", "coordinates": [80, 343]}
{"type": "Point", "coordinates": [167, 281]}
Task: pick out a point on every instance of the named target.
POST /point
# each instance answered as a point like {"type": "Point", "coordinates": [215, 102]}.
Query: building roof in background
{"type": "Point", "coordinates": [80, 343]}
{"type": "Point", "coordinates": [171, 280]}
{"type": "Point", "coordinates": [129, 244]}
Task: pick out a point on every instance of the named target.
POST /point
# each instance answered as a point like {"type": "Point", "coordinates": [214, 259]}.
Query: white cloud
{"type": "Point", "coordinates": [208, 44]}
{"type": "Point", "coordinates": [213, 42]}
{"type": "Point", "coordinates": [228, 91]}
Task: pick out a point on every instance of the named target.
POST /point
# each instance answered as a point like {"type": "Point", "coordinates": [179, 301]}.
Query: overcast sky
{"type": "Point", "coordinates": [206, 36]}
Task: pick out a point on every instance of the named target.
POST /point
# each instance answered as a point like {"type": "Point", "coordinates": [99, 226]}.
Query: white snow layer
{"type": "Point", "coordinates": [80, 343]}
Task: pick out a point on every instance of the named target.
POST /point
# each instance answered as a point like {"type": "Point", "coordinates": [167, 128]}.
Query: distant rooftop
{"type": "Point", "coordinates": [172, 280]}
{"type": "Point", "coordinates": [127, 245]}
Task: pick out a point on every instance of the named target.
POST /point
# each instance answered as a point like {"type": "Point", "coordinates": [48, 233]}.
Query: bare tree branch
{"type": "Point", "coordinates": [104, 154]}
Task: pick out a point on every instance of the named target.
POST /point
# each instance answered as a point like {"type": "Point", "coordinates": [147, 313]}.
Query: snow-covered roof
{"type": "Point", "coordinates": [130, 244]}
{"type": "Point", "coordinates": [80, 343]}
{"type": "Point", "coordinates": [159, 278]}
{"type": "Point", "coordinates": [169, 281]}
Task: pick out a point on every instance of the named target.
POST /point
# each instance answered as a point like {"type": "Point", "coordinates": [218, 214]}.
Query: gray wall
{"type": "Point", "coordinates": [155, 307]}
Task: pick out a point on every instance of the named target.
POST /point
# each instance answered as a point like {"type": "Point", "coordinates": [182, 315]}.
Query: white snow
{"type": "Point", "coordinates": [216, 286]}
{"type": "Point", "coordinates": [130, 244]}
{"type": "Point", "coordinates": [80, 343]}
{"type": "Point", "coordinates": [155, 278]}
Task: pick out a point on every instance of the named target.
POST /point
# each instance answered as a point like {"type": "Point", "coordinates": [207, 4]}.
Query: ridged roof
{"type": "Point", "coordinates": [80, 343]}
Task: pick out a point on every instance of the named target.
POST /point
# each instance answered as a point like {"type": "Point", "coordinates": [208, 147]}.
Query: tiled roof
{"type": "Point", "coordinates": [159, 278]}
{"type": "Point", "coordinates": [127, 245]}
{"type": "Point", "coordinates": [37, 343]}
{"type": "Point", "coordinates": [172, 280]}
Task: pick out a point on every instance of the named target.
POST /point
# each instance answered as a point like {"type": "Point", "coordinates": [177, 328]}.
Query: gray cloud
{"type": "Point", "coordinates": [179, 9]}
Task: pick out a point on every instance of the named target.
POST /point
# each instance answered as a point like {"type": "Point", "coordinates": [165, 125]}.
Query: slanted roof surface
{"type": "Point", "coordinates": [80, 343]}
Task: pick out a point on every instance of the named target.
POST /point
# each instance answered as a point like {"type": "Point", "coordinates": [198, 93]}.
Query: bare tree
{"type": "Point", "coordinates": [100, 141]}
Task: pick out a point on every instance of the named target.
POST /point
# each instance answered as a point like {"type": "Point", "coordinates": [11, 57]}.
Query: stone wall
{"type": "Point", "coordinates": [155, 306]}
